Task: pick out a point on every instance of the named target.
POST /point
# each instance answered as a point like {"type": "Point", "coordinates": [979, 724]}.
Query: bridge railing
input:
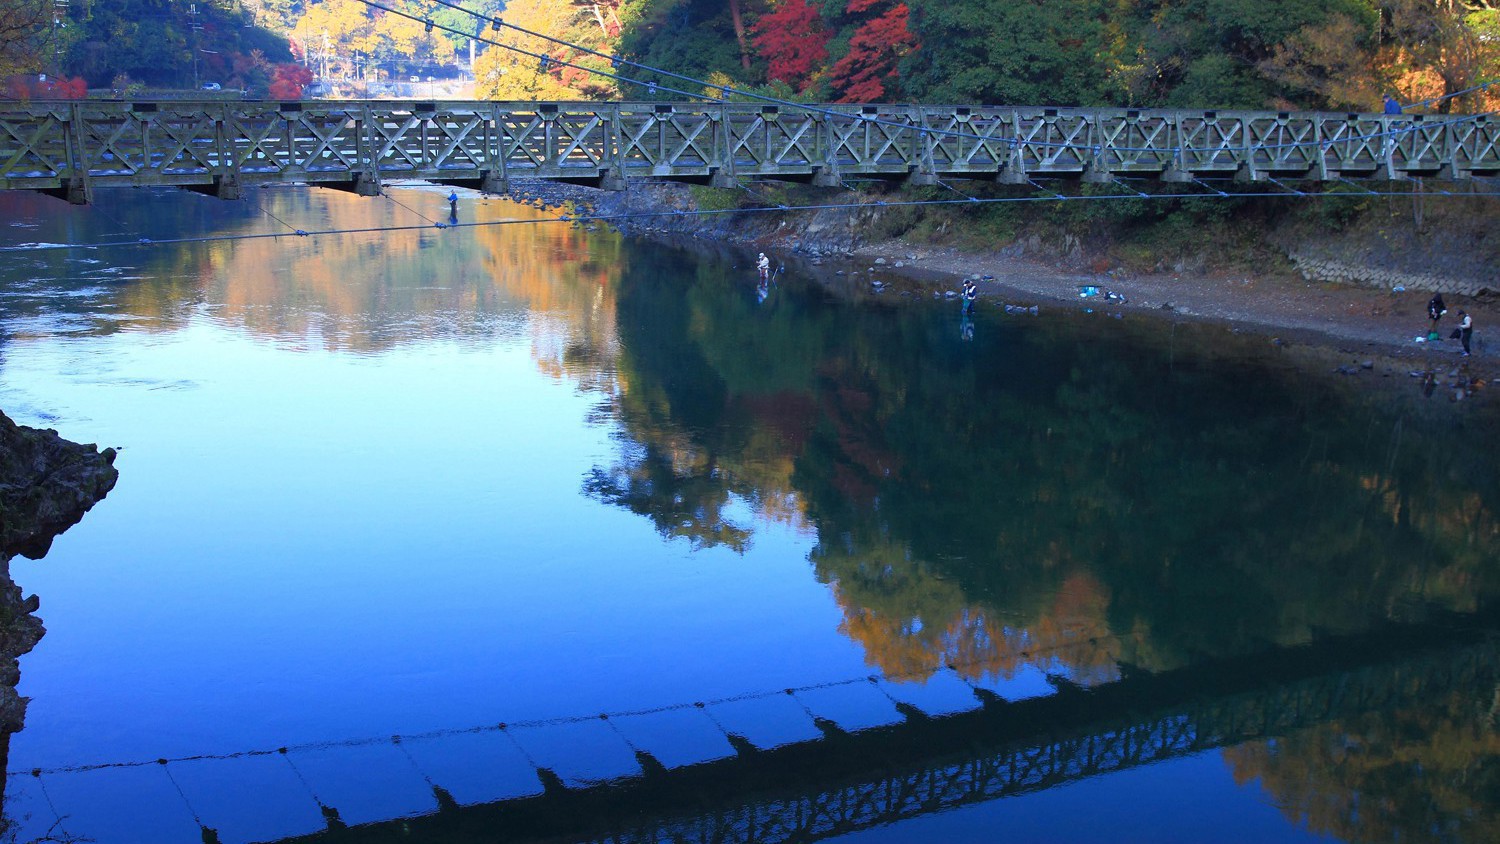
{"type": "Point", "coordinates": [67, 147]}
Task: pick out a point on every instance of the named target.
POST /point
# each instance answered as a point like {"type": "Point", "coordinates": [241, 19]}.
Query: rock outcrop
{"type": "Point", "coordinates": [46, 485]}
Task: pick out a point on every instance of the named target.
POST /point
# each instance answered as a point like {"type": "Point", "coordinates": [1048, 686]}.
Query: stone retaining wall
{"type": "Point", "coordinates": [1324, 269]}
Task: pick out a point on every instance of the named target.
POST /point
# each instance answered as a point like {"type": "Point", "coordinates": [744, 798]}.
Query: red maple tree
{"type": "Point", "coordinates": [793, 41]}
{"type": "Point", "coordinates": [52, 88]}
{"type": "Point", "coordinates": [868, 72]}
{"type": "Point", "coordinates": [288, 81]}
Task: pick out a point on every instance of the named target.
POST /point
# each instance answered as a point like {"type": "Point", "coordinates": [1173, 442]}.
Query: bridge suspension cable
{"type": "Point", "coordinates": [1483, 86]}
{"type": "Point", "coordinates": [725, 90]}
{"type": "Point", "coordinates": [634, 215]}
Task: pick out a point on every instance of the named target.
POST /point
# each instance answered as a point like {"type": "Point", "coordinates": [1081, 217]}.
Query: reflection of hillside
{"type": "Point", "coordinates": [369, 291]}
{"type": "Point", "coordinates": [1027, 497]}
{"type": "Point", "coordinates": [701, 446]}
{"type": "Point", "coordinates": [912, 622]}
{"type": "Point", "coordinates": [1423, 774]}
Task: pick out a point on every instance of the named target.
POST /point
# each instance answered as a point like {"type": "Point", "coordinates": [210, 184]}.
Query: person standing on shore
{"type": "Point", "coordinates": [1435, 311]}
{"type": "Point", "coordinates": [1465, 330]}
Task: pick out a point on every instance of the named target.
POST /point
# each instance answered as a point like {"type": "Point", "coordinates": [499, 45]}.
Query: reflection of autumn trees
{"type": "Point", "coordinates": [705, 442]}
{"type": "Point", "coordinates": [912, 621]}
{"type": "Point", "coordinates": [373, 291]}
{"type": "Point", "coordinates": [1426, 774]}
{"type": "Point", "coordinates": [1027, 494]}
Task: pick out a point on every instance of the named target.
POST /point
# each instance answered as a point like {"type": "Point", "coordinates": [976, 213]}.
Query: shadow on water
{"type": "Point", "coordinates": [844, 782]}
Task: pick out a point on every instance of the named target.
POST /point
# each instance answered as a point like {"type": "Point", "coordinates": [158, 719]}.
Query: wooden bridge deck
{"type": "Point", "coordinates": [68, 148]}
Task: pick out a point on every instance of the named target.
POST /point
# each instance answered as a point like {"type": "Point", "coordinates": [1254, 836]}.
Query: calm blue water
{"type": "Point", "coordinates": [420, 484]}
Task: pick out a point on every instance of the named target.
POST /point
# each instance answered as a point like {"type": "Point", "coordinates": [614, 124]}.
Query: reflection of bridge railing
{"type": "Point", "coordinates": [66, 148]}
{"type": "Point", "coordinates": [813, 790]}
{"type": "Point", "coordinates": [814, 781]}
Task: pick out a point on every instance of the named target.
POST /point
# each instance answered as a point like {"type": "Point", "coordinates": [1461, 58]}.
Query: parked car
{"type": "Point", "coordinates": [210, 86]}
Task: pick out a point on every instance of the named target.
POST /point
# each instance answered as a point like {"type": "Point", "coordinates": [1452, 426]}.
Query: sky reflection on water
{"type": "Point", "coordinates": [385, 486]}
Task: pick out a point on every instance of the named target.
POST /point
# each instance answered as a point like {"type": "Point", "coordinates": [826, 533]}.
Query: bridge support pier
{"type": "Point", "coordinates": [1010, 175]}
{"type": "Point", "coordinates": [827, 176]}
{"type": "Point", "coordinates": [75, 191]}
{"type": "Point", "coordinates": [610, 178]}
{"type": "Point", "coordinates": [921, 178]}
{"type": "Point", "coordinates": [363, 184]}
{"type": "Point", "coordinates": [223, 187]}
{"type": "Point", "coordinates": [1096, 175]}
{"type": "Point", "coordinates": [492, 182]}
{"type": "Point", "coordinates": [719, 179]}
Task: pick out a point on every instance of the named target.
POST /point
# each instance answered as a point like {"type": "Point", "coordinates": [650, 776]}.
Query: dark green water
{"type": "Point", "coordinates": [1108, 578]}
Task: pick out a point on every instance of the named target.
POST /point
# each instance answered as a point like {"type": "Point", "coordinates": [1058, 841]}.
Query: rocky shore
{"type": "Point", "coordinates": [47, 484]}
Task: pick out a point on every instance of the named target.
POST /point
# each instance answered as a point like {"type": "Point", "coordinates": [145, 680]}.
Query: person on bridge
{"type": "Point", "coordinates": [1391, 105]}
{"type": "Point", "coordinates": [763, 266]}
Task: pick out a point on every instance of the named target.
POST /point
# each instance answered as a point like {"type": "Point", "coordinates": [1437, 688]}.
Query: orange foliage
{"type": "Point", "coordinates": [1073, 638]}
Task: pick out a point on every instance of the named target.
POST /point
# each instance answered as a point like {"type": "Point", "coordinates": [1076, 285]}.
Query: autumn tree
{"type": "Point", "coordinates": [1328, 66]}
{"type": "Point", "coordinates": [24, 27]}
{"type": "Point", "coordinates": [868, 71]}
{"type": "Point", "coordinates": [1209, 53]}
{"type": "Point", "coordinates": [288, 81]}
{"type": "Point", "coordinates": [793, 41]}
{"type": "Point", "coordinates": [530, 67]}
{"type": "Point", "coordinates": [331, 35]}
{"type": "Point", "coordinates": [1435, 50]}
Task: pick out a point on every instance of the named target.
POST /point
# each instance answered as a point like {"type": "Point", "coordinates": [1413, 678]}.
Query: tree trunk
{"type": "Point", "coordinates": [739, 33]}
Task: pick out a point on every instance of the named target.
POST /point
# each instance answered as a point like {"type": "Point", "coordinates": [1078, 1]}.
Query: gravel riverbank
{"type": "Point", "coordinates": [1355, 328]}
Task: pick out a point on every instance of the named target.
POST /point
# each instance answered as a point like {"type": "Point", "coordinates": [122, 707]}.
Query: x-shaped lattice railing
{"type": "Point", "coordinates": [1211, 142]}
{"type": "Point", "coordinates": [185, 139]}
{"type": "Point", "coordinates": [322, 143]}
{"type": "Point", "coordinates": [459, 152]}
{"type": "Point", "coordinates": [105, 143]}
{"type": "Point", "coordinates": [968, 140]}
{"type": "Point", "coordinates": [176, 143]}
{"type": "Point", "coordinates": [578, 130]}
{"type": "Point", "coordinates": [1054, 142]}
{"type": "Point", "coordinates": [524, 137]}
{"type": "Point", "coordinates": [253, 139]}
{"type": "Point", "coordinates": [44, 131]}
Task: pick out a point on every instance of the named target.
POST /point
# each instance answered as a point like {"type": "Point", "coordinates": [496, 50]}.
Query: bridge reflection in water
{"type": "Point", "coordinates": [793, 765]}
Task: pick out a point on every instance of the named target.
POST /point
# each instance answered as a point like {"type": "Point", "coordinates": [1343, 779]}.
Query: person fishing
{"type": "Point", "coordinates": [970, 293]}
{"type": "Point", "coordinates": [1435, 311]}
{"type": "Point", "coordinates": [763, 265]}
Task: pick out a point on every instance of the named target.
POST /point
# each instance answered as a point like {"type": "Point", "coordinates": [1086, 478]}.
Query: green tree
{"type": "Point", "coordinates": [1001, 51]}
{"type": "Point", "coordinates": [1208, 53]}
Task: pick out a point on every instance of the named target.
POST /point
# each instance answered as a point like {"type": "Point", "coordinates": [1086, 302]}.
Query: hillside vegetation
{"type": "Point", "coordinates": [1335, 54]}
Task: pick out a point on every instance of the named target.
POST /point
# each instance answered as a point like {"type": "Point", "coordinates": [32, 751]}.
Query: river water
{"type": "Point", "coordinates": [401, 514]}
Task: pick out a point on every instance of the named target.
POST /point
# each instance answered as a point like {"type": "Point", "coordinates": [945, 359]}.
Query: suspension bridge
{"type": "Point", "coordinates": [68, 148]}
{"type": "Point", "coordinates": [809, 764]}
